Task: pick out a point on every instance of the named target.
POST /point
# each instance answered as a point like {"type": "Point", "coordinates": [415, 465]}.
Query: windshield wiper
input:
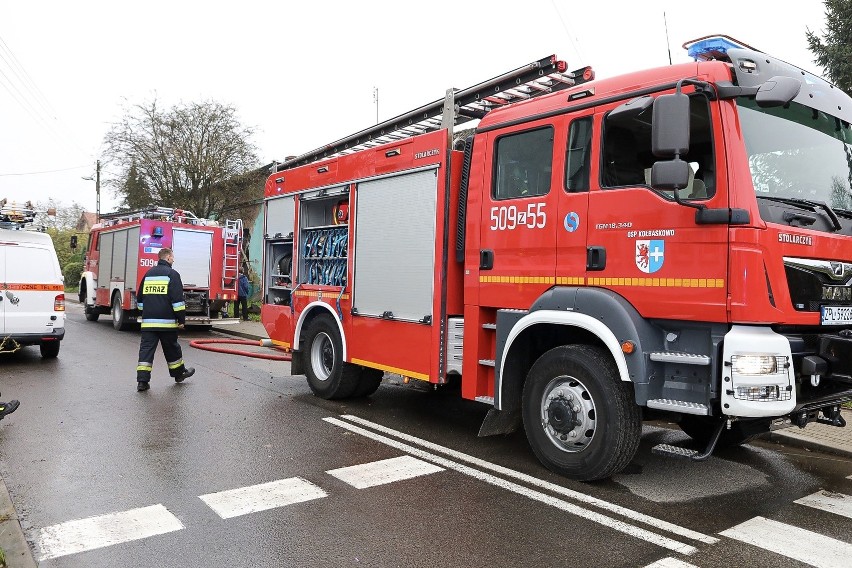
{"type": "Point", "coordinates": [808, 203]}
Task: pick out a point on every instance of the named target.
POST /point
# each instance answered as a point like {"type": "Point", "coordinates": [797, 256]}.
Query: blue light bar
{"type": "Point", "coordinates": [709, 48]}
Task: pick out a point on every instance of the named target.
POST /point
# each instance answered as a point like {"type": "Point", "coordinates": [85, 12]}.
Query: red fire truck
{"type": "Point", "coordinates": [673, 243]}
{"type": "Point", "coordinates": [125, 245]}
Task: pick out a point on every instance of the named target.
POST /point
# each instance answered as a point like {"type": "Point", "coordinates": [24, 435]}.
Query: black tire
{"type": "Point", "coordinates": [92, 313]}
{"type": "Point", "coordinates": [368, 382]}
{"type": "Point", "coordinates": [119, 315]}
{"type": "Point", "coordinates": [581, 420]}
{"type": "Point", "coordinates": [701, 428]}
{"type": "Point", "coordinates": [49, 349]}
{"type": "Point", "coordinates": [328, 376]}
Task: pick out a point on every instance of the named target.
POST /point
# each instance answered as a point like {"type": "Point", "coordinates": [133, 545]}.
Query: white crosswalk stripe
{"type": "Point", "coordinates": [836, 503]}
{"type": "Point", "coordinates": [236, 502]}
{"type": "Point", "coordinates": [384, 471]}
{"type": "Point", "coordinates": [105, 530]}
{"type": "Point", "coordinates": [799, 544]}
{"type": "Point", "coordinates": [671, 563]}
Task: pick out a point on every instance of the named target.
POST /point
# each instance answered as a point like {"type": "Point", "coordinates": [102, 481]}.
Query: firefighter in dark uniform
{"type": "Point", "coordinates": [163, 312]}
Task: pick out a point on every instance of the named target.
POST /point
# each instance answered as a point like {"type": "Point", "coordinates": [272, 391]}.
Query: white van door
{"type": "Point", "coordinates": [32, 283]}
{"type": "Point", "coordinates": [2, 292]}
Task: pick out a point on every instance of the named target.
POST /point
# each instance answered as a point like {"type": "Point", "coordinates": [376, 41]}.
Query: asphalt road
{"type": "Point", "coordinates": [242, 466]}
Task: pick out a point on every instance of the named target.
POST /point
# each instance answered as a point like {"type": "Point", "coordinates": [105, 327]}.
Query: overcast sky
{"type": "Point", "coordinates": [302, 74]}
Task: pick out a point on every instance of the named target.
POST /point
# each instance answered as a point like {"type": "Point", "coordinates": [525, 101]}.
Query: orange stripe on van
{"type": "Point", "coordinates": [36, 287]}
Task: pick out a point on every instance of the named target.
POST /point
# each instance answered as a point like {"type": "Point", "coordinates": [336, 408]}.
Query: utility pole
{"type": "Point", "coordinates": [376, 100]}
{"type": "Point", "coordinates": [98, 192]}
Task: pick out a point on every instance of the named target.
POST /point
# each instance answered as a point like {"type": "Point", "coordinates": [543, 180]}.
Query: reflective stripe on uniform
{"type": "Point", "coordinates": [144, 367]}
{"type": "Point", "coordinates": [161, 324]}
{"type": "Point", "coordinates": [176, 364]}
{"type": "Point", "coordinates": [178, 306]}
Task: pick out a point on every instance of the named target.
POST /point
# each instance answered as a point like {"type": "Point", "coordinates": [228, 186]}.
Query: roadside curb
{"type": "Point", "coordinates": [806, 442]}
{"type": "Point", "coordinates": [12, 540]}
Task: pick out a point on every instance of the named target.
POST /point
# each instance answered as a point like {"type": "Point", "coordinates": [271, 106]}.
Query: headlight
{"type": "Point", "coordinates": [756, 364]}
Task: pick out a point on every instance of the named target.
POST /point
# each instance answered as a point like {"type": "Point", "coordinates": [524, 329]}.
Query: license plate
{"type": "Point", "coordinates": [836, 315]}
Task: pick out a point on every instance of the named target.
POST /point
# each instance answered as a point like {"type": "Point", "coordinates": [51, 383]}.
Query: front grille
{"type": "Point", "coordinates": [812, 288]}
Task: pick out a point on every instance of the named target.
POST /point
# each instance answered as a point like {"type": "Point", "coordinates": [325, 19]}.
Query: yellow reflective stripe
{"type": "Point", "coordinates": [179, 308]}
{"type": "Point", "coordinates": [159, 325]}
{"type": "Point", "coordinates": [144, 368]}
{"type": "Point", "coordinates": [175, 365]}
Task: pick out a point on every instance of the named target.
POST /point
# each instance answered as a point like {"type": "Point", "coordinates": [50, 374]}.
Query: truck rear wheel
{"type": "Point", "coordinates": [368, 382]}
{"type": "Point", "coordinates": [328, 375]}
{"type": "Point", "coordinates": [581, 420]}
{"type": "Point", "coordinates": [119, 315]}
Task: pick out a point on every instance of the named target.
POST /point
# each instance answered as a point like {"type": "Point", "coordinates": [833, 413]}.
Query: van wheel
{"type": "Point", "coordinates": [581, 420]}
{"type": "Point", "coordinates": [328, 376]}
{"type": "Point", "coordinates": [49, 349]}
{"type": "Point", "coordinates": [119, 315]}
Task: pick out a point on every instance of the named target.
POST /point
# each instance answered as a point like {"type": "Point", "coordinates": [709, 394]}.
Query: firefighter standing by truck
{"type": "Point", "coordinates": [163, 312]}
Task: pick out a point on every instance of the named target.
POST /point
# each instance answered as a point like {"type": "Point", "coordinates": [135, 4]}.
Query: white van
{"type": "Point", "coordinates": [32, 293]}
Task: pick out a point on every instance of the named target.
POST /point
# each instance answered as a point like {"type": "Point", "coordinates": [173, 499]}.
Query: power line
{"type": "Point", "coordinates": [44, 115]}
{"type": "Point", "coordinates": [46, 171]}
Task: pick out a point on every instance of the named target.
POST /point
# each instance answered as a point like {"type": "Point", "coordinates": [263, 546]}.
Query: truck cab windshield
{"type": "Point", "coordinates": [797, 153]}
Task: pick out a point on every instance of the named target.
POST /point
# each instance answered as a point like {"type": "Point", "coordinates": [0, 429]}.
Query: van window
{"type": "Point", "coordinates": [30, 265]}
{"type": "Point", "coordinates": [523, 164]}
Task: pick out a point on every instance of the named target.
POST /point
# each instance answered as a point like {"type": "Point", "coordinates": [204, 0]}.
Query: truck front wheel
{"type": "Point", "coordinates": [581, 420]}
{"type": "Point", "coordinates": [328, 375]}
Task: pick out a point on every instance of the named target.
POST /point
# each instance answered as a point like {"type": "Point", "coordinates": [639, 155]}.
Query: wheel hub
{"type": "Point", "coordinates": [561, 415]}
{"type": "Point", "coordinates": [568, 414]}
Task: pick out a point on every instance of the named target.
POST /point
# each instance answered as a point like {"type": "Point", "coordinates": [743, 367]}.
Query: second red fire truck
{"type": "Point", "coordinates": [123, 246]}
{"type": "Point", "coordinates": [676, 242]}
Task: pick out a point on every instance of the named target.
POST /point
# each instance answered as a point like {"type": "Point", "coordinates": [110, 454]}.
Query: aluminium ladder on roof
{"type": "Point", "coordinates": [547, 75]}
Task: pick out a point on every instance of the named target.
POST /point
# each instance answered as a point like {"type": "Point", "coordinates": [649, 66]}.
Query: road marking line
{"type": "Point", "coordinates": [245, 500]}
{"type": "Point", "coordinates": [836, 503]}
{"type": "Point", "coordinates": [671, 563]}
{"type": "Point", "coordinates": [586, 514]}
{"type": "Point", "coordinates": [105, 530]}
{"type": "Point", "coordinates": [576, 495]}
{"type": "Point", "coordinates": [384, 471]}
{"type": "Point", "coordinates": [799, 544]}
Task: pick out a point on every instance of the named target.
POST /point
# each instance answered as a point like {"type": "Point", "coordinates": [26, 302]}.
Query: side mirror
{"type": "Point", "coordinates": [670, 175]}
{"type": "Point", "coordinates": [777, 91]}
{"type": "Point", "coordinates": [670, 126]}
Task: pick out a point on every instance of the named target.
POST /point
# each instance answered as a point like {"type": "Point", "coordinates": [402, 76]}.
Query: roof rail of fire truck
{"type": "Point", "coordinates": [161, 213]}
{"type": "Point", "coordinates": [20, 217]}
{"type": "Point", "coordinates": [547, 75]}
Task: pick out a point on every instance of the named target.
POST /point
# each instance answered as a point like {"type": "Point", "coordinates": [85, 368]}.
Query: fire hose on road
{"type": "Point", "coordinates": [205, 344]}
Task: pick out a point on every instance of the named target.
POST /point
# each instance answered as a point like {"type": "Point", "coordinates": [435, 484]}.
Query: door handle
{"type": "Point", "coordinates": [486, 259]}
{"type": "Point", "coordinates": [595, 258]}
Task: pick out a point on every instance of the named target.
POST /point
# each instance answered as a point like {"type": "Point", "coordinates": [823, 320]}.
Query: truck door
{"type": "Point", "coordinates": [519, 215]}
{"type": "Point", "coordinates": [573, 226]}
{"type": "Point", "coordinates": [651, 250]}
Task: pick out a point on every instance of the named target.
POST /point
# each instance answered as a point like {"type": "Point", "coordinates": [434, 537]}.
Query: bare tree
{"type": "Point", "coordinates": [183, 157]}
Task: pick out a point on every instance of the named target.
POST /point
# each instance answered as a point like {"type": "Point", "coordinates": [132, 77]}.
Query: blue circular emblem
{"type": "Point", "coordinates": [572, 222]}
